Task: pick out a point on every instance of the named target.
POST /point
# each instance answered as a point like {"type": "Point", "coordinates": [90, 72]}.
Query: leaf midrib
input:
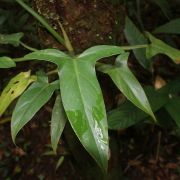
{"type": "Point", "coordinates": [173, 55]}
{"type": "Point", "coordinates": [124, 82]}
{"type": "Point", "coordinates": [82, 99]}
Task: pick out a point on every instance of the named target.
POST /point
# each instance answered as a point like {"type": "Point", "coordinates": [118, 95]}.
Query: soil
{"type": "Point", "coordinates": [142, 152]}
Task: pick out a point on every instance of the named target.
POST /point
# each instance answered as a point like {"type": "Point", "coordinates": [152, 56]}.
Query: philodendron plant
{"type": "Point", "coordinates": [79, 97]}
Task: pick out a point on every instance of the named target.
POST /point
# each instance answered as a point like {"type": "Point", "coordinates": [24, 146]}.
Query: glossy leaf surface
{"type": "Point", "coordinates": [84, 106]}
{"type": "Point", "coordinates": [13, 39]}
{"type": "Point", "coordinates": [58, 122]}
{"type": "Point", "coordinates": [15, 88]}
{"type": "Point", "coordinates": [52, 55]}
{"type": "Point", "coordinates": [135, 37]}
{"type": "Point", "coordinates": [127, 83]}
{"type": "Point", "coordinates": [172, 27]}
{"type": "Point", "coordinates": [100, 51]}
{"type": "Point", "coordinates": [159, 47]}
{"type": "Point", "coordinates": [58, 57]}
{"type": "Point", "coordinates": [6, 62]}
{"type": "Point", "coordinates": [29, 103]}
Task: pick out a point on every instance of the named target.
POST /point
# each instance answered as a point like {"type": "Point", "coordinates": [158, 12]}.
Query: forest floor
{"type": "Point", "coordinates": [141, 152]}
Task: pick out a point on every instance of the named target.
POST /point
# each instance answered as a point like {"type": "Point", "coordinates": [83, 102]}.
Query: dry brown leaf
{"type": "Point", "coordinates": [159, 82]}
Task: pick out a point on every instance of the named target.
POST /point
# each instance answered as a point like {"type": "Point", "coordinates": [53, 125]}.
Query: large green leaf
{"type": "Point", "coordinates": [29, 103]}
{"type": "Point", "coordinates": [172, 27]}
{"type": "Point", "coordinates": [13, 39]}
{"type": "Point", "coordinates": [127, 114]}
{"type": "Point", "coordinates": [84, 106]}
{"type": "Point", "coordinates": [6, 62]}
{"type": "Point", "coordinates": [159, 47]}
{"type": "Point", "coordinates": [135, 37]}
{"type": "Point", "coordinates": [15, 88]}
{"type": "Point", "coordinates": [127, 83]}
{"type": "Point", "coordinates": [52, 55]}
{"type": "Point", "coordinates": [58, 57]}
{"type": "Point", "coordinates": [100, 51]}
{"type": "Point", "coordinates": [58, 122]}
{"type": "Point", "coordinates": [173, 108]}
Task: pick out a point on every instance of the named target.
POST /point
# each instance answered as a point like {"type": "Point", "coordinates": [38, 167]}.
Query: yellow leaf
{"type": "Point", "coordinates": [15, 88]}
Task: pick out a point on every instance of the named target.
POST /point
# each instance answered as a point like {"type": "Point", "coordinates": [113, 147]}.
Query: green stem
{"type": "Point", "coordinates": [42, 21]}
{"type": "Point", "coordinates": [28, 47]}
{"type": "Point", "coordinates": [19, 59]}
{"type": "Point", "coordinates": [134, 47]}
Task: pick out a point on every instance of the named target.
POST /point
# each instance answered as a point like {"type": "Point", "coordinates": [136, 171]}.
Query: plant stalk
{"type": "Point", "coordinates": [42, 21]}
{"type": "Point", "coordinates": [134, 47]}
{"type": "Point", "coordinates": [28, 47]}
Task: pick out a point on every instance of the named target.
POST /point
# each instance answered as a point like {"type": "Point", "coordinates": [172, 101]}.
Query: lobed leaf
{"type": "Point", "coordinates": [13, 39]}
{"type": "Point", "coordinates": [15, 88]}
{"type": "Point", "coordinates": [6, 62]}
{"type": "Point", "coordinates": [29, 103]}
{"type": "Point", "coordinates": [159, 47]}
{"type": "Point", "coordinates": [58, 122]}
{"type": "Point", "coordinates": [52, 55]}
{"type": "Point", "coordinates": [127, 83]}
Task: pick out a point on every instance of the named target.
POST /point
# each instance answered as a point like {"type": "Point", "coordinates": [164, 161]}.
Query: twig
{"type": "Point", "coordinates": [158, 146]}
{"type": "Point", "coordinates": [128, 166]}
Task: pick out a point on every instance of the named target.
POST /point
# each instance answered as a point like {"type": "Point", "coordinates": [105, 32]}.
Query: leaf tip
{"type": "Point", "coordinates": [14, 133]}
{"type": "Point", "coordinates": [13, 136]}
{"type": "Point", "coordinates": [154, 118]}
{"type": "Point", "coordinates": [54, 147]}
